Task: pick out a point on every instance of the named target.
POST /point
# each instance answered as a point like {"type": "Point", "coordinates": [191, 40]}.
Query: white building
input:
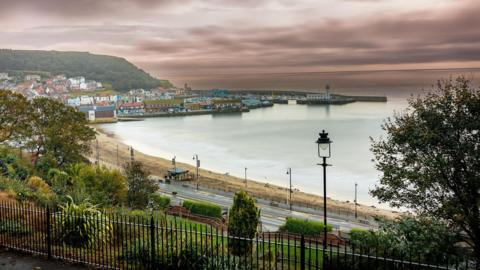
{"type": "Point", "coordinates": [76, 82]}
{"type": "Point", "coordinates": [74, 102]}
{"type": "Point", "coordinates": [87, 100]}
{"type": "Point", "coordinates": [33, 77]}
{"type": "Point", "coordinates": [320, 96]}
{"type": "Point", "coordinates": [4, 76]}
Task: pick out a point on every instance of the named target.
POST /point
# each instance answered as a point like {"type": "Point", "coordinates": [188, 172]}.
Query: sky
{"type": "Point", "coordinates": [252, 43]}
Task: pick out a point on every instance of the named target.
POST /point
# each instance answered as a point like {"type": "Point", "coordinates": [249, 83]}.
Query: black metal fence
{"type": "Point", "coordinates": [115, 241]}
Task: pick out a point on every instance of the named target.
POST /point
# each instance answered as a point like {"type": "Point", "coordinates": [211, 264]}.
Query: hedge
{"type": "Point", "coordinates": [159, 201]}
{"type": "Point", "coordinates": [303, 226]}
{"type": "Point", "coordinates": [203, 208]}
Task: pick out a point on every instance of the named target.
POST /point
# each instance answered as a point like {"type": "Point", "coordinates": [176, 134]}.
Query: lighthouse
{"type": "Point", "coordinates": [327, 92]}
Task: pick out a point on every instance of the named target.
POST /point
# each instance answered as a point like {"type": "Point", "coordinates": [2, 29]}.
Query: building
{"type": "Point", "coordinates": [74, 102]}
{"type": "Point", "coordinates": [131, 108]}
{"type": "Point", "coordinates": [99, 114]}
{"type": "Point", "coordinates": [226, 104]}
{"type": "Point", "coordinates": [76, 82]}
{"type": "Point", "coordinates": [320, 96]}
{"type": "Point", "coordinates": [163, 105]}
{"type": "Point", "coordinates": [87, 100]}
{"type": "Point", "coordinates": [33, 77]}
{"type": "Point", "coordinates": [4, 76]}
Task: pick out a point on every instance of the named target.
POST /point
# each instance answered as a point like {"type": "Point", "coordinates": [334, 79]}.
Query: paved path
{"type": "Point", "coordinates": [272, 217]}
{"type": "Point", "coordinates": [10, 260]}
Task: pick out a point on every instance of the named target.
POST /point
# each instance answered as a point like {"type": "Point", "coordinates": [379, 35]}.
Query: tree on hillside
{"type": "Point", "coordinates": [59, 131]}
{"type": "Point", "coordinates": [14, 115]}
{"type": "Point", "coordinates": [140, 186]}
{"type": "Point", "coordinates": [429, 239]}
{"type": "Point", "coordinates": [430, 158]}
{"type": "Point", "coordinates": [243, 220]}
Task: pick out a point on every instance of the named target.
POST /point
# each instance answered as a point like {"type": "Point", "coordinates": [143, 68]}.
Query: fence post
{"type": "Point", "coordinates": [49, 235]}
{"type": "Point", "coordinates": [152, 242]}
{"type": "Point", "coordinates": [302, 253]}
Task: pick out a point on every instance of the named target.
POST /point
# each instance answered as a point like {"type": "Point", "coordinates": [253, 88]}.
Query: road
{"type": "Point", "coordinates": [272, 216]}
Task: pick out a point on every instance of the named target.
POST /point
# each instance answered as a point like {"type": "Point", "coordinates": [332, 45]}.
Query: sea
{"type": "Point", "coordinates": [268, 141]}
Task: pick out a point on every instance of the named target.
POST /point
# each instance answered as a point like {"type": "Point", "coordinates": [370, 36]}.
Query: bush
{"type": "Point", "coordinates": [14, 228]}
{"type": "Point", "coordinates": [16, 188]}
{"type": "Point", "coordinates": [243, 219]}
{"type": "Point", "coordinates": [101, 185]}
{"type": "Point", "coordinates": [303, 226]}
{"type": "Point", "coordinates": [203, 208]}
{"type": "Point", "coordinates": [82, 225]}
{"type": "Point", "coordinates": [140, 186]}
{"type": "Point", "coordinates": [42, 193]}
{"type": "Point", "coordinates": [178, 254]}
{"type": "Point", "coordinates": [159, 202]}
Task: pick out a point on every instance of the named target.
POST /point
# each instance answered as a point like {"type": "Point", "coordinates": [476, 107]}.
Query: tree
{"type": "Point", "coordinates": [430, 240]}
{"type": "Point", "coordinates": [59, 131]}
{"type": "Point", "coordinates": [140, 186]}
{"type": "Point", "coordinates": [430, 158]}
{"type": "Point", "coordinates": [14, 115]}
{"type": "Point", "coordinates": [243, 220]}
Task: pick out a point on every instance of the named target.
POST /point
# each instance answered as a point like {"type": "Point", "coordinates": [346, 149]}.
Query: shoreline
{"type": "Point", "coordinates": [158, 166]}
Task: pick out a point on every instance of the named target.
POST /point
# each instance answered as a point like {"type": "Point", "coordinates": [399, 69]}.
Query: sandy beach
{"type": "Point", "coordinates": [109, 146]}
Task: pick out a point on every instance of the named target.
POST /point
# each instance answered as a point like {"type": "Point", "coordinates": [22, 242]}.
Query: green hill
{"type": "Point", "coordinates": [121, 74]}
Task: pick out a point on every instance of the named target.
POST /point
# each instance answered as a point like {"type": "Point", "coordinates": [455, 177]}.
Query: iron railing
{"type": "Point", "coordinates": [117, 241]}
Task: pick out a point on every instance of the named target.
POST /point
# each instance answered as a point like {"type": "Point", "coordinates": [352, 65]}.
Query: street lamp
{"type": "Point", "coordinates": [245, 177]}
{"type": "Point", "coordinates": [324, 152]}
{"type": "Point", "coordinates": [356, 185]}
{"type": "Point", "coordinates": [289, 172]}
{"type": "Point", "coordinates": [195, 157]}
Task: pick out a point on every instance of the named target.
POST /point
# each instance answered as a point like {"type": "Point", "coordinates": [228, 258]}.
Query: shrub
{"type": "Point", "coordinates": [303, 226]}
{"type": "Point", "coordinates": [140, 186]}
{"type": "Point", "coordinates": [179, 254]}
{"type": "Point", "coordinates": [14, 228]}
{"type": "Point", "coordinates": [82, 225]}
{"type": "Point", "coordinates": [42, 193]}
{"type": "Point", "coordinates": [159, 202]}
{"type": "Point", "coordinates": [16, 188]}
{"type": "Point", "coordinates": [203, 208]}
{"type": "Point", "coordinates": [243, 219]}
{"type": "Point", "coordinates": [101, 185]}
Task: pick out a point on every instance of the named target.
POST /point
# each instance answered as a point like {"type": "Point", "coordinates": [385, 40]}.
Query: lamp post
{"type": "Point", "coordinates": [289, 172]}
{"type": "Point", "coordinates": [246, 178]}
{"type": "Point", "coordinates": [195, 157]}
{"type": "Point", "coordinates": [356, 185]}
{"type": "Point", "coordinates": [324, 152]}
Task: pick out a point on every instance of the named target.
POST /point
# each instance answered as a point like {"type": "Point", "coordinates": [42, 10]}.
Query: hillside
{"type": "Point", "coordinates": [118, 72]}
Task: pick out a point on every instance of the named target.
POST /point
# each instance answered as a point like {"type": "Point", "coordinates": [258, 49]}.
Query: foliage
{"type": "Point", "coordinates": [158, 201]}
{"type": "Point", "coordinates": [177, 254]}
{"type": "Point", "coordinates": [430, 158]}
{"type": "Point", "coordinates": [304, 226]}
{"type": "Point", "coordinates": [14, 228]}
{"type": "Point", "coordinates": [429, 239]}
{"type": "Point", "coordinates": [14, 115]}
{"type": "Point", "coordinates": [102, 185]}
{"type": "Point", "coordinates": [140, 186]}
{"type": "Point", "coordinates": [59, 131]}
{"type": "Point", "coordinates": [12, 166]}
{"type": "Point", "coordinates": [82, 225]}
{"type": "Point", "coordinates": [42, 191]}
{"type": "Point", "coordinates": [16, 188]}
{"type": "Point", "coordinates": [243, 220]}
{"type": "Point", "coordinates": [203, 208]}
{"type": "Point", "coordinates": [44, 164]}
{"type": "Point", "coordinates": [113, 71]}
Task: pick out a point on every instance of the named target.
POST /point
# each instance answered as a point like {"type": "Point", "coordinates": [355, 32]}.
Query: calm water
{"type": "Point", "coordinates": [268, 141]}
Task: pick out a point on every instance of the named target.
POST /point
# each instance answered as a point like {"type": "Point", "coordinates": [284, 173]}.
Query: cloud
{"type": "Point", "coordinates": [211, 36]}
